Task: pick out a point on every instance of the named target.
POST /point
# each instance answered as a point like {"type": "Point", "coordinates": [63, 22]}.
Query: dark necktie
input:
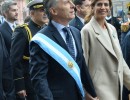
{"type": "Point", "coordinates": [69, 42]}
{"type": "Point", "coordinates": [13, 27]}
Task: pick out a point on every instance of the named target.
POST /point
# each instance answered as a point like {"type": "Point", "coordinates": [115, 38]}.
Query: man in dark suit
{"type": "Point", "coordinates": [6, 92]}
{"type": "Point", "coordinates": [1, 67]}
{"type": "Point", "coordinates": [82, 8]}
{"type": "Point", "coordinates": [2, 61]}
{"type": "Point", "coordinates": [20, 49]}
{"type": "Point", "coordinates": [53, 77]}
{"type": "Point", "coordinates": [7, 33]}
{"type": "Point", "coordinates": [10, 12]}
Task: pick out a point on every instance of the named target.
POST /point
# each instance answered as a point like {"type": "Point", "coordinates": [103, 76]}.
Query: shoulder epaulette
{"type": "Point", "coordinates": [29, 34]}
{"type": "Point", "coordinates": [22, 25]}
{"type": "Point", "coordinates": [125, 26]}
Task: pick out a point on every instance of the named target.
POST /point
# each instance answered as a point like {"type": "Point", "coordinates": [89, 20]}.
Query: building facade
{"type": "Point", "coordinates": [120, 5]}
{"type": "Point", "coordinates": [23, 11]}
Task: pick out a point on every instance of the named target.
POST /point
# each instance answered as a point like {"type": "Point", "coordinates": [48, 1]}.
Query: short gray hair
{"type": "Point", "coordinates": [48, 4]}
{"type": "Point", "coordinates": [6, 5]}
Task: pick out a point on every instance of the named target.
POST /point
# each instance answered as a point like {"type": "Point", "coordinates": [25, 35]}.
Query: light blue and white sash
{"type": "Point", "coordinates": [61, 56]}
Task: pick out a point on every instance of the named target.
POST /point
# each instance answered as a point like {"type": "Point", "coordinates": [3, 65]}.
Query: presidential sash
{"type": "Point", "coordinates": [61, 56]}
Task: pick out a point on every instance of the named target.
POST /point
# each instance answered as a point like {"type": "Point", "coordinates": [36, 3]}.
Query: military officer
{"type": "Point", "coordinates": [19, 53]}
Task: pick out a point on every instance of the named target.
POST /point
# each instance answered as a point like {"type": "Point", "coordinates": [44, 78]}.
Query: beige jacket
{"type": "Point", "coordinates": [107, 67]}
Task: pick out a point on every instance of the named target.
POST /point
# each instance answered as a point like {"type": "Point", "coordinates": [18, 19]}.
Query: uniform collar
{"type": "Point", "coordinates": [32, 23]}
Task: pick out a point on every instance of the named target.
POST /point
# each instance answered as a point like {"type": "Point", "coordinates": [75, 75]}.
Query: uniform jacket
{"type": "Point", "coordinates": [76, 23]}
{"type": "Point", "coordinates": [107, 67]}
{"type": "Point", "coordinates": [19, 48]}
{"type": "Point", "coordinates": [50, 80]}
{"type": "Point", "coordinates": [6, 31]}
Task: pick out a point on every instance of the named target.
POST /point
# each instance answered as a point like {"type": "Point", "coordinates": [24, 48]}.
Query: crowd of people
{"type": "Point", "coordinates": [65, 50]}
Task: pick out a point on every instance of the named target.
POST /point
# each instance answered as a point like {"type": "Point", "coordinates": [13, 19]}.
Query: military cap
{"type": "Point", "coordinates": [35, 4]}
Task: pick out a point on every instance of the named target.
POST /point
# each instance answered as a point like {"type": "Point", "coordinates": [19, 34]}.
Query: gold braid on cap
{"type": "Point", "coordinates": [37, 6]}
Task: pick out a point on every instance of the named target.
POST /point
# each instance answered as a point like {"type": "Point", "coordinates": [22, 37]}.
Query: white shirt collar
{"type": "Point", "coordinates": [107, 18]}
{"type": "Point", "coordinates": [11, 24]}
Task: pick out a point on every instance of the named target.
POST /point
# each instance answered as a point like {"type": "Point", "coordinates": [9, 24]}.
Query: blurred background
{"type": "Point", "coordinates": [118, 5]}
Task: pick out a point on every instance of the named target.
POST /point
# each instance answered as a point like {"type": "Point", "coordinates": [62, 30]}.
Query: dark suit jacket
{"type": "Point", "coordinates": [126, 48]}
{"type": "Point", "coordinates": [6, 31]}
{"type": "Point", "coordinates": [1, 67]}
{"type": "Point", "coordinates": [123, 34]}
{"type": "Point", "coordinates": [76, 23]}
{"type": "Point", "coordinates": [126, 54]}
{"type": "Point", "coordinates": [50, 80]}
{"type": "Point", "coordinates": [6, 83]}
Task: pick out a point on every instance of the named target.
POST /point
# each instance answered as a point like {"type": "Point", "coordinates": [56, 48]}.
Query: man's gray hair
{"type": "Point", "coordinates": [5, 6]}
{"type": "Point", "coordinates": [48, 4]}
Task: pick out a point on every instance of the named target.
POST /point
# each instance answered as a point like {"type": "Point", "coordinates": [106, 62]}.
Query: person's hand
{"type": "Point", "coordinates": [89, 97]}
{"type": "Point", "coordinates": [95, 98]}
{"type": "Point", "coordinates": [129, 96]}
{"type": "Point", "coordinates": [22, 93]}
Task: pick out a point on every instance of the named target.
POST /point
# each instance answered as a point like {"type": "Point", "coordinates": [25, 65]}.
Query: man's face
{"type": "Point", "coordinates": [12, 13]}
{"type": "Point", "coordinates": [84, 9]}
{"type": "Point", "coordinates": [63, 11]}
{"type": "Point", "coordinates": [40, 16]}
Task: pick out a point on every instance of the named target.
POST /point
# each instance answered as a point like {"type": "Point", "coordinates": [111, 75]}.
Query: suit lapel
{"type": "Point", "coordinates": [6, 25]}
{"type": "Point", "coordinates": [113, 37]}
{"type": "Point", "coordinates": [101, 38]}
{"type": "Point", "coordinates": [76, 39]}
{"type": "Point", "coordinates": [79, 24]}
{"type": "Point", "coordinates": [57, 37]}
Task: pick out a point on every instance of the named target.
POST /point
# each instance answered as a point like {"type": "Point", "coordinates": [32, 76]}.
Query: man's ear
{"type": "Point", "coordinates": [53, 11]}
{"type": "Point", "coordinates": [78, 7]}
{"type": "Point", "coordinates": [31, 12]}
